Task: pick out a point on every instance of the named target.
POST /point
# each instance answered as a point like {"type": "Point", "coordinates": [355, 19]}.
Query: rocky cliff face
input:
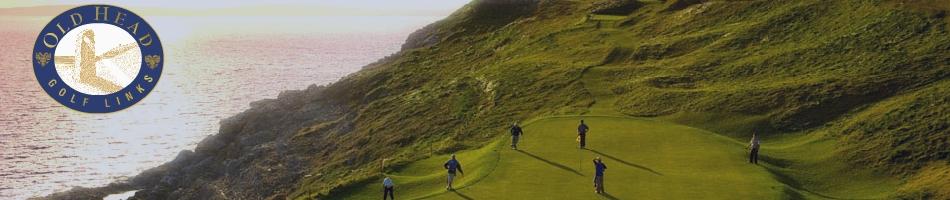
{"type": "Point", "coordinates": [320, 135]}
{"type": "Point", "coordinates": [258, 154]}
{"type": "Point", "coordinates": [255, 155]}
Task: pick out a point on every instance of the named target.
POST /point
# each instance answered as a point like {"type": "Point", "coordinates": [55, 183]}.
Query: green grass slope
{"type": "Point", "coordinates": [646, 159]}
{"type": "Point", "coordinates": [850, 95]}
{"type": "Point", "coordinates": [698, 163]}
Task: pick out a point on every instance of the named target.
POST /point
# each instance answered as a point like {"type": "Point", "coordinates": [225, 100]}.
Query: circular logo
{"type": "Point", "coordinates": [98, 58]}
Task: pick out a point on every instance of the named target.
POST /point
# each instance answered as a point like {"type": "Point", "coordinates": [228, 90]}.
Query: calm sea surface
{"type": "Point", "coordinates": [214, 67]}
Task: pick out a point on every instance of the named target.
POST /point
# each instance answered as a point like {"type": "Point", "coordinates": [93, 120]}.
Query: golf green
{"type": "Point", "coordinates": [646, 159]}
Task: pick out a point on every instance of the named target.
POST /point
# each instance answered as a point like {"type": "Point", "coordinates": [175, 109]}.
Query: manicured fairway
{"type": "Point", "coordinates": [646, 159]}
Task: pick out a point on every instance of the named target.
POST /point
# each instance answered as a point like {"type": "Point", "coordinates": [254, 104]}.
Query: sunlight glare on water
{"type": "Point", "coordinates": [215, 66]}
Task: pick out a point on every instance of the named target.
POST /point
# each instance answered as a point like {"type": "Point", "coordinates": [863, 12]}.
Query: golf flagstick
{"type": "Point", "coordinates": [580, 154]}
{"type": "Point", "coordinates": [580, 159]}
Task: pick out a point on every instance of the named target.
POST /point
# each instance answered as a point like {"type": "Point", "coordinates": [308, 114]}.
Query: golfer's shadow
{"type": "Point", "coordinates": [626, 163]}
{"type": "Point", "coordinates": [466, 197]}
{"type": "Point", "coordinates": [550, 162]}
{"type": "Point", "coordinates": [611, 197]}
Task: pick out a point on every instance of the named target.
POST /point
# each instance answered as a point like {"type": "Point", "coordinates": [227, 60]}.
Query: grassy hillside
{"type": "Point", "coordinates": [849, 95]}
{"type": "Point", "coordinates": [863, 80]}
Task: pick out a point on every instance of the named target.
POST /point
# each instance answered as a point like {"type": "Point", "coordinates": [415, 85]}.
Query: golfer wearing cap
{"type": "Point", "coordinates": [452, 165]}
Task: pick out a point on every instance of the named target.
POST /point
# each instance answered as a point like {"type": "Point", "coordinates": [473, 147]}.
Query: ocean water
{"type": "Point", "coordinates": [215, 66]}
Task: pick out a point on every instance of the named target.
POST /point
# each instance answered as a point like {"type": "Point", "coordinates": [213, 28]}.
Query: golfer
{"type": "Point", "coordinates": [582, 134]}
{"type": "Point", "coordinates": [388, 188]}
{"type": "Point", "coordinates": [452, 165]}
{"type": "Point", "coordinates": [754, 149]}
{"type": "Point", "coordinates": [515, 134]}
{"type": "Point", "coordinates": [599, 168]}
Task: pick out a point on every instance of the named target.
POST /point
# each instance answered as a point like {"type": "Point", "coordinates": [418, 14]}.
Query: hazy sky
{"type": "Point", "coordinates": [278, 7]}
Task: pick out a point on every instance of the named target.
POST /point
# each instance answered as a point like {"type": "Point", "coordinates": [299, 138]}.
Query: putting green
{"type": "Point", "coordinates": [646, 159]}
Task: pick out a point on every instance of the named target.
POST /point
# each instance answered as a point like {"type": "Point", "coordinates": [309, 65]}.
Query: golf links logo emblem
{"type": "Point", "coordinates": [98, 58]}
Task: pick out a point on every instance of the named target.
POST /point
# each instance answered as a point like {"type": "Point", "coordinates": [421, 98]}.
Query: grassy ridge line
{"type": "Point", "coordinates": [427, 173]}
{"type": "Point", "coordinates": [370, 183]}
{"type": "Point", "coordinates": [479, 178]}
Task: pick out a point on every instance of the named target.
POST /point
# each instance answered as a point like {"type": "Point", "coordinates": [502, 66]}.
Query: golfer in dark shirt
{"type": "Point", "coordinates": [515, 135]}
{"type": "Point", "coordinates": [452, 165]}
{"type": "Point", "coordinates": [599, 168]}
{"type": "Point", "coordinates": [582, 134]}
